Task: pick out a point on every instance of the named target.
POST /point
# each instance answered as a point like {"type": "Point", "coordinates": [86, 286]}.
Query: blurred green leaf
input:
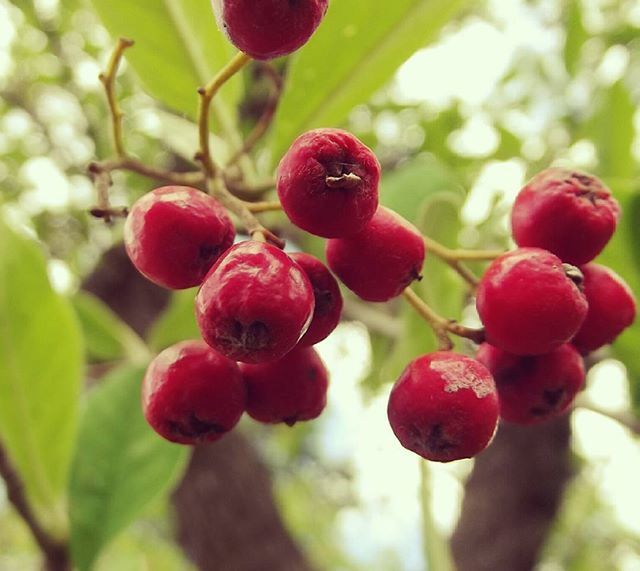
{"type": "Point", "coordinates": [106, 336]}
{"type": "Point", "coordinates": [120, 465]}
{"type": "Point", "coordinates": [40, 373]}
{"type": "Point", "coordinates": [576, 35]}
{"type": "Point", "coordinates": [177, 322]}
{"type": "Point", "coordinates": [436, 549]}
{"type": "Point", "coordinates": [355, 51]}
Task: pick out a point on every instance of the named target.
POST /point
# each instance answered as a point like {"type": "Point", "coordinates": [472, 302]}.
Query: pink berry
{"type": "Point", "coordinates": [444, 407]}
{"type": "Point", "coordinates": [327, 296]}
{"type": "Point", "coordinates": [529, 302]}
{"type": "Point", "coordinates": [266, 29]}
{"type": "Point", "coordinates": [569, 213]}
{"type": "Point", "coordinates": [536, 388]}
{"type": "Point", "coordinates": [380, 261]}
{"type": "Point", "coordinates": [289, 390]}
{"type": "Point", "coordinates": [255, 303]}
{"type": "Point", "coordinates": [191, 394]}
{"type": "Point", "coordinates": [328, 183]}
{"type": "Point", "coordinates": [174, 235]}
{"type": "Point", "coordinates": [612, 308]}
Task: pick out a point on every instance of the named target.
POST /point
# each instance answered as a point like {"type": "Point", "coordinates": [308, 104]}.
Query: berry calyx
{"type": "Point", "coordinates": [327, 297]}
{"type": "Point", "coordinates": [191, 394]}
{"type": "Point", "coordinates": [379, 262]}
{"type": "Point", "coordinates": [529, 302]}
{"type": "Point", "coordinates": [269, 28]}
{"type": "Point", "coordinates": [174, 234]}
{"type": "Point", "coordinates": [444, 407]}
{"type": "Point", "coordinates": [327, 183]}
{"type": "Point", "coordinates": [612, 308]}
{"type": "Point", "coordinates": [536, 388]}
{"type": "Point", "coordinates": [570, 213]}
{"type": "Point", "coordinates": [255, 303]}
{"type": "Point", "coordinates": [290, 390]}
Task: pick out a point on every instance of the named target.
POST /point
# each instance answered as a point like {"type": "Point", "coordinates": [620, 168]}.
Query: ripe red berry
{"type": "Point", "coordinates": [192, 394]}
{"type": "Point", "coordinates": [289, 390]}
{"type": "Point", "coordinates": [536, 388]}
{"type": "Point", "coordinates": [380, 261]}
{"type": "Point", "coordinates": [267, 29]}
{"type": "Point", "coordinates": [328, 183]}
{"type": "Point", "coordinates": [444, 407]}
{"type": "Point", "coordinates": [327, 296]}
{"type": "Point", "coordinates": [612, 308]}
{"type": "Point", "coordinates": [569, 213]}
{"type": "Point", "coordinates": [255, 303]}
{"type": "Point", "coordinates": [528, 302]}
{"type": "Point", "coordinates": [174, 235]}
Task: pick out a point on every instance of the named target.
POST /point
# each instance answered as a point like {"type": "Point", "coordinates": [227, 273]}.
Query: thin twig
{"type": "Point", "coordinates": [441, 326]}
{"type": "Point", "coordinates": [266, 206]}
{"type": "Point", "coordinates": [627, 420]}
{"type": "Point", "coordinates": [207, 94]}
{"type": "Point", "coordinates": [102, 182]}
{"type": "Point", "coordinates": [108, 79]}
{"type": "Point", "coordinates": [55, 553]}
{"type": "Point", "coordinates": [191, 178]}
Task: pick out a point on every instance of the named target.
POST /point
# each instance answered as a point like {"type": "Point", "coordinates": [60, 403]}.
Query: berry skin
{"type": "Point", "coordinates": [267, 29]}
{"type": "Point", "coordinates": [612, 308]}
{"type": "Point", "coordinates": [191, 394]}
{"type": "Point", "coordinates": [533, 389]}
{"type": "Point", "coordinates": [327, 296]}
{"type": "Point", "coordinates": [289, 390]}
{"type": "Point", "coordinates": [174, 234]}
{"type": "Point", "coordinates": [255, 303]}
{"type": "Point", "coordinates": [327, 183]}
{"type": "Point", "coordinates": [528, 304]}
{"type": "Point", "coordinates": [569, 213]}
{"type": "Point", "coordinates": [444, 407]}
{"type": "Point", "coordinates": [379, 262]}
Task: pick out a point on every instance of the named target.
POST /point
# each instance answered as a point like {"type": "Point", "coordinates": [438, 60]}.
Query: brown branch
{"type": "Point", "coordinates": [102, 181]}
{"type": "Point", "coordinates": [266, 206]}
{"type": "Point", "coordinates": [55, 553]}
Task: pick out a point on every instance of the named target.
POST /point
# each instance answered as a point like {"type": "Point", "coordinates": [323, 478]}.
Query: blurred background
{"type": "Point", "coordinates": [462, 104]}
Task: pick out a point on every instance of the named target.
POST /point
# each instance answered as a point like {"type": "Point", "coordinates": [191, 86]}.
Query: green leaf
{"type": "Point", "coordinates": [177, 323]}
{"type": "Point", "coordinates": [178, 49]}
{"type": "Point", "coordinates": [576, 36]}
{"type": "Point", "coordinates": [356, 50]}
{"type": "Point", "coordinates": [120, 465]}
{"type": "Point", "coordinates": [107, 337]}
{"type": "Point", "coordinates": [40, 373]}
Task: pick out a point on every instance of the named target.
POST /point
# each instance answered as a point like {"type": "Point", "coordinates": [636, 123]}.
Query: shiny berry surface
{"type": "Point", "coordinates": [444, 407]}
{"type": "Point", "coordinates": [327, 183]}
{"type": "Point", "coordinates": [327, 297]}
{"type": "Point", "coordinates": [255, 303]}
{"type": "Point", "coordinates": [191, 394]}
{"type": "Point", "coordinates": [174, 234]}
{"type": "Point", "coordinates": [379, 262]}
{"type": "Point", "coordinates": [534, 388]}
{"type": "Point", "coordinates": [528, 304]}
{"type": "Point", "coordinates": [290, 390]}
{"type": "Point", "coordinates": [612, 308]}
{"type": "Point", "coordinates": [570, 213]}
{"type": "Point", "coordinates": [267, 29]}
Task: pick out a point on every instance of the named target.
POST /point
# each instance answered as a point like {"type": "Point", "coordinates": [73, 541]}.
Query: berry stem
{"type": "Point", "coordinates": [207, 94]}
{"type": "Point", "coordinates": [108, 79]}
{"type": "Point", "coordinates": [266, 206]}
{"type": "Point", "coordinates": [441, 326]}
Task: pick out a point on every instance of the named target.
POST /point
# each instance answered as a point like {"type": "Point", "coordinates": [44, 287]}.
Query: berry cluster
{"type": "Point", "coordinates": [543, 306]}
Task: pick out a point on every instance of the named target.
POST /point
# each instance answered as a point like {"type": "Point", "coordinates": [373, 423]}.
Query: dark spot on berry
{"type": "Point", "coordinates": [324, 301]}
{"type": "Point", "coordinates": [553, 397]}
{"type": "Point", "coordinates": [252, 337]}
{"type": "Point", "coordinates": [290, 420]}
{"type": "Point", "coordinates": [207, 254]}
{"type": "Point", "coordinates": [193, 427]}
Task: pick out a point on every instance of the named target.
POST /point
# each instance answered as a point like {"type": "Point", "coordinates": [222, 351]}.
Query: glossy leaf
{"type": "Point", "coordinates": [120, 465]}
{"type": "Point", "coordinates": [177, 322]}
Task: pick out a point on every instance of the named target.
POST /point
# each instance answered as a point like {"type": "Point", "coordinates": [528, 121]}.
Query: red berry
{"type": "Point", "coordinates": [289, 390]}
{"type": "Point", "coordinates": [444, 407]}
{"type": "Point", "coordinates": [569, 213]}
{"type": "Point", "coordinates": [612, 308]}
{"type": "Point", "coordinates": [327, 296]}
{"type": "Point", "coordinates": [328, 183]}
{"type": "Point", "coordinates": [536, 388]}
{"type": "Point", "coordinates": [255, 303]}
{"type": "Point", "coordinates": [192, 394]}
{"type": "Point", "coordinates": [267, 29]}
{"type": "Point", "coordinates": [528, 302]}
{"type": "Point", "coordinates": [174, 235]}
{"type": "Point", "coordinates": [380, 261]}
